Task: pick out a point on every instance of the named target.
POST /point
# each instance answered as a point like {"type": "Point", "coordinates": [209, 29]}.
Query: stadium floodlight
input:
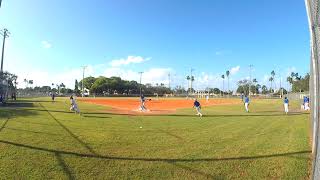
{"type": "Point", "coordinates": [82, 84]}
{"type": "Point", "coordinates": [250, 70]}
{"type": "Point", "coordinates": [313, 12]}
{"type": "Point", "coordinates": [5, 33]}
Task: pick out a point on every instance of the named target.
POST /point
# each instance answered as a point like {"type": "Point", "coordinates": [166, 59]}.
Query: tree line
{"type": "Point", "coordinates": [297, 84]}
{"type": "Point", "coordinates": [117, 86]}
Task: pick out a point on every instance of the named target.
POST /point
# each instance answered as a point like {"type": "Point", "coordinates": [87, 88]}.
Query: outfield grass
{"type": "Point", "coordinates": [43, 140]}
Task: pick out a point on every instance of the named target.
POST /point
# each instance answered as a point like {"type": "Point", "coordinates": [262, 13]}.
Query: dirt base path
{"type": "Point", "coordinates": [161, 106]}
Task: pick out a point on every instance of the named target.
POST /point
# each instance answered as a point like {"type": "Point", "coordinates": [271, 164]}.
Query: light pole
{"type": "Point", "coordinates": [82, 84]}
{"type": "Point", "coordinates": [5, 33]}
{"type": "Point", "coordinates": [140, 82]}
{"type": "Point", "coordinates": [250, 69]}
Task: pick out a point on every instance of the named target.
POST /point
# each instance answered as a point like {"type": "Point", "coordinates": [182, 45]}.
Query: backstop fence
{"type": "Point", "coordinates": [313, 12]}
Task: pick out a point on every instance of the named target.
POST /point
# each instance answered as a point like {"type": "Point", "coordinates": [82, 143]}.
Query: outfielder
{"type": "Point", "coordinates": [306, 103]}
{"type": "Point", "coordinates": [286, 105]}
{"type": "Point", "coordinates": [197, 105]}
{"type": "Point", "coordinates": [246, 103]}
{"type": "Point", "coordinates": [74, 105]}
{"type": "Point", "coordinates": [52, 96]}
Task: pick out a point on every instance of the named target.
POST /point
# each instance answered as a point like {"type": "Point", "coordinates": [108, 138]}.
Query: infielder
{"type": "Point", "coordinates": [197, 105]}
{"type": "Point", "coordinates": [142, 103]}
{"type": "Point", "coordinates": [74, 105]}
{"type": "Point", "coordinates": [246, 103]}
{"type": "Point", "coordinates": [286, 105]}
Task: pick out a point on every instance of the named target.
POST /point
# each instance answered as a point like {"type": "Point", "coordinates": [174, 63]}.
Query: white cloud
{"type": "Point", "coordinates": [222, 52]}
{"type": "Point", "coordinates": [218, 53]}
{"type": "Point", "coordinates": [129, 60]}
{"type": "Point", "coordinates": [46, 44]}
{"type": "Point", "coordinates": [234, 70]}
{"type": "Point", "coordinates": [44, 78]}
{"type": "Point", "coordinates": [290, 70]}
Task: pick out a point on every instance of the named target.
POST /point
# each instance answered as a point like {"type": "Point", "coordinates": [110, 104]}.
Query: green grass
{"type": "Point", "coordinates": [42, 140]}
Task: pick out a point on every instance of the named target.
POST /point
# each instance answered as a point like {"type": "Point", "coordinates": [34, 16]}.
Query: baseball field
{"type": "Point", "coordinates": [40, 139]}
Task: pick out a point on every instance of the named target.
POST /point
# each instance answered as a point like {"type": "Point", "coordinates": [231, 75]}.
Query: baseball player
{"type": "Point", "coordinates": [52, 96]}
{"type": "Point", "coordinates": [246, 103]}
{"type": "Point", "coordinates": [286, 105]}
{"type": "Point", "coordinates": [197, 105]}
{"type": "Point", "coordinates": [306, 103]}
{"type": "Point", "coordinates": [142, 103]}
{"type": "Point", "coordinates": [74, 105]}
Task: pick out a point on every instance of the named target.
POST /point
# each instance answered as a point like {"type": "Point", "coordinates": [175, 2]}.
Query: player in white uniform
{"type": "Point", "coordinates": [246, 103]}
{"type": "Point", "coordinates": [197, 105]}
{"type": "Point", "coordinates": [286, 105]}
{"type": "Point", "coordinates": [74, 105]}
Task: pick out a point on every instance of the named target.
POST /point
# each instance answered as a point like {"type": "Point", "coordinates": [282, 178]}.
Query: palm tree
{"type": "Point", "coordinates": [188, 78]}
{"type": "Point", "coordinates": [264, 89]}
{"type": "Point", "coordinates": [192, 79]}
{"type": "Point", "coordinates": [222, 76]}
{"type": "Point", "coordinates": [228, 74]}
{"type": "Point", "coordinates": [290, 80]}
{"type": "Point", "coordinates": [272, 75]}
{"type": "Point", "coordinates": [271, 80]}
{"type": "Point", "coordinates": [254, 82]}
{"type": "Point", "coordinates": [258, 86]}
{"type": "Point", "coordinates": [26, 82]}
{"type": "Point", "coordinates": [14, 78]}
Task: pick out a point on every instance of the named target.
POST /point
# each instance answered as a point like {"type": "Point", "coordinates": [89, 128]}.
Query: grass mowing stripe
{"type": "Point", "coordinates": [169, 160]}
{"type": "Point", "coordinates": [226, 144]}
{"type": "Point", "coordinates": [4, 124]}
{"type": "Point", "coordinates": [70, 133]}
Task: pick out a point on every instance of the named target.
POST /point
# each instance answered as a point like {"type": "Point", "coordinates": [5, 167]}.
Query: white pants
{"type": "Point", "coordinates": [306, 106]}
{"type": "Point", "coordinates": [246, 105]}
{"type": "Point", "coordinates": [74, 107]}
{"type": "Point", "coordinates": [142, 106]}
{"type": "Point", "coordinates": [286, 107]}
{"type": "Point", "coordinates": [198, 111]}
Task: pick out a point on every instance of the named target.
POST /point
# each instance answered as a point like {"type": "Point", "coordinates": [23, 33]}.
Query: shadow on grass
{"type": "Point", "coordinates": [198, 172]}
{"type": "Point", "coordinates": [11, 111]}
{"type": "Point", "coordinates": [205, 115]}
{"type": "Point", "coordinates": [32, 100]}
{"type": "Point", "coordinates": [36, 123]}
{"type": "Point", "coordinates": [100, 117]}
{"type": "Point", "coordinates": [18, 104]}
{"type": "Point", "coordinates": [171, 134]}
{"type": "Point", "coordinates": [45, 110]}
{"type": "Point", "coordinates": [64, 166]}
{"type": "Point", "coordinates": [4, 124]}
{"type": "Point", "coordinates": [168, 160]}
{"type": "Point", "coordinates": [35, 132]}
{"type": "Point", "coordinates": [70, 133]}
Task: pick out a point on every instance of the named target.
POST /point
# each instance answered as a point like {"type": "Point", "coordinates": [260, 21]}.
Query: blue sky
{"type": "Point", "coordinates": [50, 40]}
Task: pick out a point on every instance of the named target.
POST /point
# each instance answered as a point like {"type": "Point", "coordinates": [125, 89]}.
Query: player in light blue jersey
{"type": "Point", "coordinates": [246, 103]}
{"type": "Point", "coordinates": [286, 105]}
